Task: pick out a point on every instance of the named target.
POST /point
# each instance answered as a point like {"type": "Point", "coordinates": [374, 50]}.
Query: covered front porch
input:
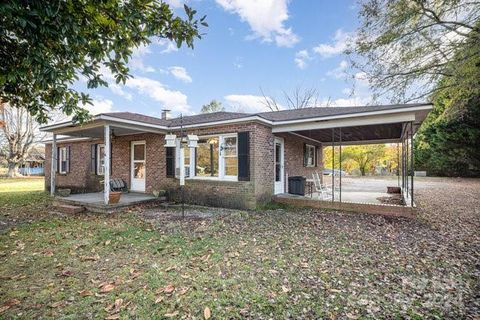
{"type": "Point", "coordinates": [118, 155]}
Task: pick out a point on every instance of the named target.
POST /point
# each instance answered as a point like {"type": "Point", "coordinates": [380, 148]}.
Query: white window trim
{"type": "Point", "coordinates": [62, 152]}
{"type": "Point", "coordinates": [99, 158]}
{"type": "Point", "coordinates": [307, 146]}
{"type": "Point", "coordinates": [221, 159]}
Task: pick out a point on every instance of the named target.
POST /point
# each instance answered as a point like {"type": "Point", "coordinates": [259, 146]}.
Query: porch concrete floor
{"type": "Point", "coordinates": [94, 201]}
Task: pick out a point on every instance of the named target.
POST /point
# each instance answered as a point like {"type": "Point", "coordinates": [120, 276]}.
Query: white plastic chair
{"type": "Point", "coordinates": [324, 192]}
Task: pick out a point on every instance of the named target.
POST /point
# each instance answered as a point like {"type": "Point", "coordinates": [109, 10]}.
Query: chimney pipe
{"type": "Point", "coordinates": [165, 114]}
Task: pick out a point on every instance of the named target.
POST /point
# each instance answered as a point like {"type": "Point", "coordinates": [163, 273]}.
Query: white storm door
{"type": "Point", "coordinates": [279, 176]}
{"type": "Point", "coordinates": [138, 168]}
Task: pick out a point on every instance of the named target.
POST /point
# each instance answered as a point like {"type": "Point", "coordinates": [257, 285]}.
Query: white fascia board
{"type": "Point", "coordinates": [69, 139]}
{"type": "Point", "coordinates": [222, 122]}
{"type": "Point", "coordinates": [358, 114]}
{"type": "Point", "coordinates": [346, 122]}
{"type": "Point", "coordinates": [138, 123]}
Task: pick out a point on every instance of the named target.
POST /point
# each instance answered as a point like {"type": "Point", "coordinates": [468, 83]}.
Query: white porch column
{"type": "Point", "coordinates": [106, 183]}
{"type": "Point", "coordinates": [53, 167]}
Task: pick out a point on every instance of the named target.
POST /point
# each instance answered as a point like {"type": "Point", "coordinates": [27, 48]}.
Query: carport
{"type": "Point", "coordinates": [394, 126]}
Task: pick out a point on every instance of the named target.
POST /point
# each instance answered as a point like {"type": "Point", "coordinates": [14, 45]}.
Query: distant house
{"type": "Point", "coordinates": [34, 162]}
{"type": "Point", "coordinates": [241, 160]}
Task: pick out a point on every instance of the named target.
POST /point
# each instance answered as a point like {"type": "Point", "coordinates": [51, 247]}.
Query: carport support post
{"type": "Point", "coordinates": [53, 166]}
{"type": "Point", "coordinates": [333, 164]}
{"type": "Point", "coordinates": [340, 158]}
{"type": "Point", "coordinates": [106, 181]}
{"type": "Point", "coordinates": [411, 160]}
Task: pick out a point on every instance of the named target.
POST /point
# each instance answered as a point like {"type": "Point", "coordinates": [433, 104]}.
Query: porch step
{"type": "Point", "coordinates": [66, 208]}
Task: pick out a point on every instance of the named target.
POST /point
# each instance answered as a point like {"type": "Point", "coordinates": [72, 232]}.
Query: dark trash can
{"type": "Point", "coordinates": [296, 185]}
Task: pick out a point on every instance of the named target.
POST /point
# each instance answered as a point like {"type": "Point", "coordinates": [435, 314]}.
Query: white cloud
{"type": "Point", "coordinates": [137, 61]}
{"type": "Point", "coordinates": [340, 71]}
{"type": "Point", "coordinates": [171, 99]}
{"type": "Point", "coordinates": [247, 103]}
{"type": "Point", "coordinates": [99, 106]}
{"type": "Point", "coordinates": [266, 19]}
{"type": "Point", "coordinates": [301, 58]}
{"type": "Point", "coordinates": [340, 43]}
{"type": "Point", "coordinates": [119, 90]}
{"type": "Point", "coordinates": [169, 46]}
{"type": "Point", "coordinates": [175, 3]}
{"type": "Point", "coordinates": [180, 73]}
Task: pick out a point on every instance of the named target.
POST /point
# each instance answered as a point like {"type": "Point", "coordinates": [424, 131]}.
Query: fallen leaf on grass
{"type": "Point", "coordinates": [113, 317]}
{"type": "Point", "coordinates": [207, 313]}
{"type": "Point", "coordinates": [159, 299]}
{"type": "Point", "coordinates": [85, 293]}
{"type": "Point", "coordinates": [56, 304]}
{"type": "Point", "coordinates": [8, 304]}
{"type": "Point", "coordinates": [171, 315]}
{"type": "Point", "coordinates": [106, 288]}
{"type": "Point", "coordinates": [286, 289]}
{"type": "Point", "coordinates": [89, 258]}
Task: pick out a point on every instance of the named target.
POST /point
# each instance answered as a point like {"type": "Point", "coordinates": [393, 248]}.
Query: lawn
{"type": "Point", "coordinates": [148, 263]}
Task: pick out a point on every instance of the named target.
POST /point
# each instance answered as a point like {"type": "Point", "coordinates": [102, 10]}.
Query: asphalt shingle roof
{"type": "Point", "coordinates": [275, 116]}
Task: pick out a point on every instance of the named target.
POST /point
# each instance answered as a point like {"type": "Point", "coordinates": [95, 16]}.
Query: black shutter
{"type": "Point", "coordinates": [305, 155]}
{"type": "Point", "coordinates": [170, 162]}
{"type": "Point", "coordinates": [57, 169]}
{"type": "Point", "coordinates": [68, 160]}
{"type": "Point", "coordinates": [316, 156]}
{"type": "Point", "coordinates": [244, 156]}
{"type": "Point", "coordinates": [93, 158]}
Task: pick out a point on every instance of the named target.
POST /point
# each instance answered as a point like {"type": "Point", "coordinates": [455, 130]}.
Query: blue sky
{"type": "Point", "coordinates": [275, 45]}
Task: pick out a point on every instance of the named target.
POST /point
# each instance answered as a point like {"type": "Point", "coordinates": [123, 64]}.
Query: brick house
{"type": "Point", "coordinates": [241, 159]}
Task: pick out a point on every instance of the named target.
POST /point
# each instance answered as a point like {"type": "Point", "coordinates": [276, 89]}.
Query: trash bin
{"type": "Point", "coordinates": [296, 185]}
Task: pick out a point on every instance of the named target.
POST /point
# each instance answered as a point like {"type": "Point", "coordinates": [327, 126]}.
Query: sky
{"type": "Point", "coordinates": [249, 46]}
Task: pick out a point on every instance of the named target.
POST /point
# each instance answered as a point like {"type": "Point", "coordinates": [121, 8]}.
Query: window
{"type": "Point", "coordinates": [230, 159]}
{"type": "Point", "coordinates": [100, 159]}
{"type": "Point", "coordinates": [207, 157]}
{"type": "Point", "coordinates": [215, 157]}
{"type": "Point", "coordinates": [63, 160]}
{"type": "Point", "coordinates": [310, 155]}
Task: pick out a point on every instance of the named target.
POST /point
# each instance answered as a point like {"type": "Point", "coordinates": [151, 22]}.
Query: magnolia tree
{"type": "Point", "coordinates": [45, 46]}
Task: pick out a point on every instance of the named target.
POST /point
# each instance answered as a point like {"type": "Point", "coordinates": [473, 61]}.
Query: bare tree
{"type": "Point", "coordinates": [405, 47]}
{"type": "Point", "coordinates": [299, 98]}
{"type": "Point", "coordinates": [19, 133]}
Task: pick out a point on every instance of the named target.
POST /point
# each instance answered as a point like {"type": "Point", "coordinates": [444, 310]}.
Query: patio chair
{"type": "Point", "coordinates": [118, 184]}
{"type": "Point", "coordinates": [324, 192]}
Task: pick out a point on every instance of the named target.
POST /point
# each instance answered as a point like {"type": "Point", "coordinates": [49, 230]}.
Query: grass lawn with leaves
{"type": "Point", "coordinates": [149, 263]}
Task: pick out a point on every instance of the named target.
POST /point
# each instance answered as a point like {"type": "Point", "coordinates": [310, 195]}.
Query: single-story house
{"type": "Point", "coordinates": [241, 161]}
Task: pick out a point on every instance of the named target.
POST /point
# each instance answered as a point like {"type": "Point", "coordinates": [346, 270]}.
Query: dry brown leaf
{"type": "Point", "coordinates": [8, 304]}
{"type": "Point", "coordinates": [113, 317]}
{"type": "Point", "coordinates": [159, 299]}
{"type": "Point", "coordinates": [183, 291]}
{"type": "Point", "coordinates": [85, 293]}
{"type": "Point", "coordinates": [171, 315]}
{"type": "Point", "coordinates": [169, 288]}
{"type": "Point", "coordinates": [56, 304]}
{"type": "Point", "coordinates": [207, 313]}
{"type": "Point", "coordinates": [285, 289]}
{"type": "Point", "coordinates": [107, 288]}
{"type": "Point", "coordinates": [89, 258]}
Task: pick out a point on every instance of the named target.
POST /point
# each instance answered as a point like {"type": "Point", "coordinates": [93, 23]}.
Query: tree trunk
{"type": "Point", "coordinates": [12, 170]}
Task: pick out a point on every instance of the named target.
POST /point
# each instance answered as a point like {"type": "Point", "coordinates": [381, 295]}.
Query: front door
{"type": "Point", "coordinates": [138, 169]}
{"type": "Point", "coordinates": [279, 175]}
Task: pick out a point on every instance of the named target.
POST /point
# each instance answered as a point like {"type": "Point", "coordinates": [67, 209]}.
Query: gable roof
{"type": "Point", "coordinates": [273, 116]}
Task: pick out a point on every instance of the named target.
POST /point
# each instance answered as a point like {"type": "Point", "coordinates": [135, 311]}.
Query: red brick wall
{"type": "Point", "coordinates": [294, 156]}
{"type": "Point", "coordinates": [236, 194]}
{"type": "Point", "coordinates": [79, 179]}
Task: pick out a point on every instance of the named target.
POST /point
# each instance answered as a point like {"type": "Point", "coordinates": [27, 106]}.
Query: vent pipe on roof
{"type": "Point", "coordinates": [166, 114]}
